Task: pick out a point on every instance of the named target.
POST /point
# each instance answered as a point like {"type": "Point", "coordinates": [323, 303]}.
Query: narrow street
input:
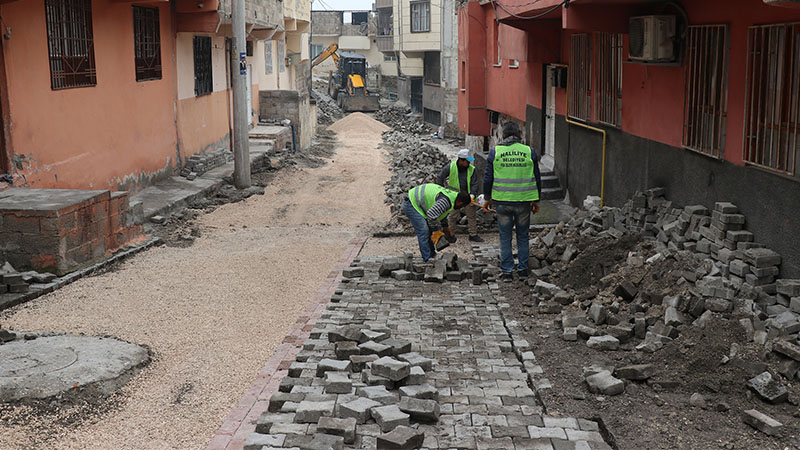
{"type": "Point", "coordinates": [211, 313]}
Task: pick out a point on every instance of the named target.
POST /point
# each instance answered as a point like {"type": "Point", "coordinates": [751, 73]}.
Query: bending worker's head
{"type": "Point", "coordinates": [463, 200]}
{"type": "Point", "coordinates": [511, 129]}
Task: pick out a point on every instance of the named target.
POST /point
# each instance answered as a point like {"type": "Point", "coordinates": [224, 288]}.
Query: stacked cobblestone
{"type": "Point", "coordinates": [200, 163]}
{"type": "Point", "coordinates": [428, 365]}
{"type": "Point", "coordinates": [14, 282]}
{"type": "Point", "coordinates": [397, 117]}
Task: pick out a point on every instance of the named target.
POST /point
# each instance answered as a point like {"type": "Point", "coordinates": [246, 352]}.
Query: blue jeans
{"type": "Point", "coordinates": [420, 225]}
{"type": "Point", "coordinates": [509, 217]}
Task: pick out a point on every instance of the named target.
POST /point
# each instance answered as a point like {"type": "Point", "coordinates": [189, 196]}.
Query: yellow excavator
{"type": "Point", "coordinates": [347, 85]}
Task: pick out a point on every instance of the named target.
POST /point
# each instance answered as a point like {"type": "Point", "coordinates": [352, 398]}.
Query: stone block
{"type": "Point", "coordinates": [346, 428]}
{"type": "Point", "coordinates": [787, 349]}
{"type": "Point", "coordinates": [636, 372]}
{"type": "Point", "coordinates": [256, 441]}
{"type": "Point", "coordinates": [325, 442]}
{"type": "Point", "coordinates": [417, 376]}
{"type": "Point", "coordinates": [401, 438]}
{"type": "Point", "coordinates": [359, 362]}
{"type": "Point", "coordinates": [415, 359]}
{"type": "Point", "coordinates": [358, 409]}
{"type": "Point", "coordinates": [332, 365]}
{"type": "Point", "coordinates": [603, 343]}
{"type": "Point", "coordinates": [570, 334]}
{"type": "Point", "coordinates": [345, 333]}
{"type": "Point", "coordinates": [762, 422]}
{"type": "Point", "coordinates": [421, 391]}
{"type": "Point", "coordinates": [718, 305]}
{"type": "Point", "coordinates": [789, 288]}
{"type": "Point", "coordinates": [373, 335]}
{"type": "Point", "coordinates": [338, 383]}
{"type": "Point", "coordinates": [310, 412]}
{"type": "Point", "coordinates": [277, 400]}
{"type": "Point", "coordinates": [604, 383]}
{"type": "Point", "coordinates": [420, 410]}
{"type": "Point", "coordinates": [389, 417]}
{"type": "Point", "coordinates": [352, 272]}
{"type": "Point", "coordinates": [598, 313]}
{"type": "Point", "coordinates": [762, 257]}
{"type": "Point", "coordinates": [585, 332]}
{"type": "Point", "coordinates": [345, 349]}
{"type": "Point", "coordinates": [391, 368]}
{"type": "Point", "coordinates": [673, 317]}
{"type": "Point", "coordinates": [768, 388]}
{"type": "Point", "coordinates": [398, 346]}
{"type": "Point", "coordinates": [375, 348]}
{"type": "Point", "coordinates": [378, 394]}
{"type": "Point", "coordinates": [626, 290]}
{"type": "Point", "coordinates": [266, 420]}
{"type": "Point", "coordinates": [370, 379]}
{"type": "Point", "coordinates": [402, 275]}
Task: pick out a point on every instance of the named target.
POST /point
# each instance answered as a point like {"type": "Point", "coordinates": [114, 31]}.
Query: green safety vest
{"type": "Point", "coordinates": [424, 196]}
{"type": "Point", "coordinates": [453, 180]}
{"type": "Point", "coordinates": [514, 179]}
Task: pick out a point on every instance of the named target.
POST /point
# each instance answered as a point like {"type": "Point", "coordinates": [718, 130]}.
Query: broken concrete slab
{"type": "Point", "coordinates": [762, 422]}
{"type": "Point", "coordinates": [768, 388]}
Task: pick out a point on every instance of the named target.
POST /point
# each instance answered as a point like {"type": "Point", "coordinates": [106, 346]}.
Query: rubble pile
{"type": "Point", "coordinates": [347, 381]}
{"type": "Point", "coordinates": [200, 163]}
{"type": "Point", "coordinates": [398, 117]}
{"type": "Point", "coordinates": [413, 162]}
{"type": "Point", "coordinates": [638, 278]}
{"type": "Point", "coordinates": [327, 109]}
{"type": "Point", "coordinates": [14, 282]}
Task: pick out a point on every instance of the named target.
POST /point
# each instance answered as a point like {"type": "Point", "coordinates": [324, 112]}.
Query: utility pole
{"type": "Point", "coordinates": [241, 146]}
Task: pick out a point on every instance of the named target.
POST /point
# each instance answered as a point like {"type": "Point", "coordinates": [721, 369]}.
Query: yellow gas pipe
{"type": "Point", "coordinates": [599, 130]}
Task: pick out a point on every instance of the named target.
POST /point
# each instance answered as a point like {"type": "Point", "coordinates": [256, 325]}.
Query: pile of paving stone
{"type": "Point", "coordinates": [353, 380]}
{"type": "Point", "coordinates": [444, 266]}
{"type": "Point", "coordinates": [716, 272]}
{"type": "Point", "coordinates": [14, 282]}
{"type": "Point", "coordinates": [413, 163]}
{"type": "Point", "coordinates": [200, 163]}
{"type": "Point", "coordinates": [399, 118]}
{"type": "Point", "coordinates": [327, 109]}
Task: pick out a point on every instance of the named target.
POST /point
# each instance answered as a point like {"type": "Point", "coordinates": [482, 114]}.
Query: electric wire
{"type": "Point", "coordinates": [503, 7]}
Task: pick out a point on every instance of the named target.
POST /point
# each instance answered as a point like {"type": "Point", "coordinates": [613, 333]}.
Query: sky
{"type": "Point", "coordinates": [341, 4]}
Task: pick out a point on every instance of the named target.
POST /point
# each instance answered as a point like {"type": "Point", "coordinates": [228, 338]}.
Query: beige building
{"type": "Point", "coordinates": [424, 36]}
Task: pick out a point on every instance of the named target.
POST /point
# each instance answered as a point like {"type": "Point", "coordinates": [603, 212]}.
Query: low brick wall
{"type": "Point", "coordinates": [59, 231]}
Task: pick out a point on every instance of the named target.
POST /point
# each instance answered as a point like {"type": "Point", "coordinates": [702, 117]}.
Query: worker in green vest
{"type": "Point", "coordinates": [426, 206]}
{"type": "Point", "coordinates": [512, 183]}
{"type": "Point", "coordinates": [460, 175]}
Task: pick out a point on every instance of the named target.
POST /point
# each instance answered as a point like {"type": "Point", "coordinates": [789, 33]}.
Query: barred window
{"type": "Point", "coordinates": [203, 81]}
{"type": "Point", "coordinates": [268, 56]}
{"type": "Point", "coordinates": [420, 17]}
{"type": "Point", "coordinates": [608, 78]}
{"type": "Point", "coordinates": [706, 89]}
{"type": "Point", "coordinates": [147, 43]}
{"type": "Point", "coordinates": [282, 55]}
{"type": "Point", "coordinates": [70, 43]}
{"type": "Point", "coordinates": [772, 100]}
{"type": "Point", "coordinates": [580, 69]}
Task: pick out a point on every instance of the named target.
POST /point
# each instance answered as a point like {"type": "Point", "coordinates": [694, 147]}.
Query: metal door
{"type": "Point", "coordinates": [416, 95]}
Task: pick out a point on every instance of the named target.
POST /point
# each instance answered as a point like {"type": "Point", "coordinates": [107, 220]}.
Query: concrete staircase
{"type": "Point", "coordinates": [551, 188]}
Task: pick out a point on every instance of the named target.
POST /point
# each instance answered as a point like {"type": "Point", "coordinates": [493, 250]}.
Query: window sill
{"type": "Point", "coordinates": [513, 67]}
{"type": "Point", "coordinates": [463, 90]}
{"type": "Point", "coordinates": [497, 65]}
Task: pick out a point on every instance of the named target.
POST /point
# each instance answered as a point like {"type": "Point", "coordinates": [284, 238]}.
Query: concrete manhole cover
{"type": "Point", "coordinates": [47, 366]}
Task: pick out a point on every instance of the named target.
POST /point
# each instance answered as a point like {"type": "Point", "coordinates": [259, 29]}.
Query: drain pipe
{"type": "Point", "coordinates": [605, 138]}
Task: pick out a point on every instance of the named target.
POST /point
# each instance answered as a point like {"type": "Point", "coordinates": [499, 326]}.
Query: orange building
{"type": "Point", "coordinates": [106, 94]}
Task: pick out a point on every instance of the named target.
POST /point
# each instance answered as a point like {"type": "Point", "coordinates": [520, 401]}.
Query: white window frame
{"type": "Point", "coordinates": [420, 17]}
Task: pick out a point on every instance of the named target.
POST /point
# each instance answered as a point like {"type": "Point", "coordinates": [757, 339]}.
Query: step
{"type": "Point", "coordinates": [550, 181]}
{"type": "Point", "coordinates": [551, 194]}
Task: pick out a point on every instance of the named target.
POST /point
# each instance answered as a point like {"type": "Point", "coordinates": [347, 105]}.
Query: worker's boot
{"type": "Point", "coordinates": [476, 238]}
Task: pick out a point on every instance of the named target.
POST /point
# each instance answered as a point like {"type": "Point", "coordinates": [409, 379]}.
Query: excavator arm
{"type": "Point", "coordinates": [329, 52]}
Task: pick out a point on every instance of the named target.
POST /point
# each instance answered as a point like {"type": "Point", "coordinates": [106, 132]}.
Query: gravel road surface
{"type": "Point", "coordinates": [211, 313]}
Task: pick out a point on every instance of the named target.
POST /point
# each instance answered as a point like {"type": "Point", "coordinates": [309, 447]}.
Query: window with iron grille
{"type": "Point", "coordinates": [706, 90]}
{"type": "Point", "coordinates": [146, 43]}
{"type": "Point", "coordinates": [420, 17]}
{"type": "Point", "coordinates": [282, 55]}
{"type": "Point", "coordinates": [203, 81]}
{"type": "Point", "coordinates": [580, 69]}
{"type": "Point", "coordinates": [608, 78]}
{"type": "Point", "coordinates": [772, 100]}
{"type": "Point", "coordinates": [70, 43]}
{"type": "Point", "coordinates": [268, 56]}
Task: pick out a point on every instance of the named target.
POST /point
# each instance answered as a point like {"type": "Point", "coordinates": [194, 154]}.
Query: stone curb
{"type": "Point", "coordinates": [241, 420]}
{"type": "Point", "coordinates": [78, 274]}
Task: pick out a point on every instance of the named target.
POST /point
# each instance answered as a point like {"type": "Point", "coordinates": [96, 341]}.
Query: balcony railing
{"type": "Point", "coordinates": [385, 43]}
{"type": "Point", "coordinates": [383, 3]}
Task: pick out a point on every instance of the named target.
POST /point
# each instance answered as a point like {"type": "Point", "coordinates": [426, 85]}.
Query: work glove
{"type": "Point", "coordinates": [487, 206]}
{"type": "Point", "coordinates": [436, 235]}
{"type": "Point", "coordinates": [534, 207]}
{"type": "Point", "coordinates": [449, 235]}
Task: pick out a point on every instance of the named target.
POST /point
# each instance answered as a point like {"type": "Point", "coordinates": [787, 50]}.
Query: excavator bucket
{"type": "Point", "coordinates": [363, 103]}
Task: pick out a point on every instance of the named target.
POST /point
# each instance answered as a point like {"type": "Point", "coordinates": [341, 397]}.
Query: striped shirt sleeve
{"type": "Point", "coordinates": [440, 207]}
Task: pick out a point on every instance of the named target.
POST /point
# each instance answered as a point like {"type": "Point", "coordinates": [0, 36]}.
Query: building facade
{"type": "Point", "coordinates": [102, 94]}
{"type": "Point", "coordinates": [706, 103]}
{"type": "Point", "coordinates": [423, 36]}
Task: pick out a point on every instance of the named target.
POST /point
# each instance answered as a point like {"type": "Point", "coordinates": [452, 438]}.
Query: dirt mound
{"type": "Point", "coordinates": [597, 258]}
{"type": "Point", "coordinates": [356, 121]}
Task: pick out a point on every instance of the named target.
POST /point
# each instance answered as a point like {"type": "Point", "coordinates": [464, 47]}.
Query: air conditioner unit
{"type": "Point", "coordinates": [652, 39]}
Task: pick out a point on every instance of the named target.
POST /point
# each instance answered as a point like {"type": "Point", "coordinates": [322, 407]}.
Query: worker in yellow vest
{"type": "Point", "coordinates": [426, 206]}
{"type": "Point", "coordinates": [512, 183]}
{"type": "Point", "coordinates": [460, 175]}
